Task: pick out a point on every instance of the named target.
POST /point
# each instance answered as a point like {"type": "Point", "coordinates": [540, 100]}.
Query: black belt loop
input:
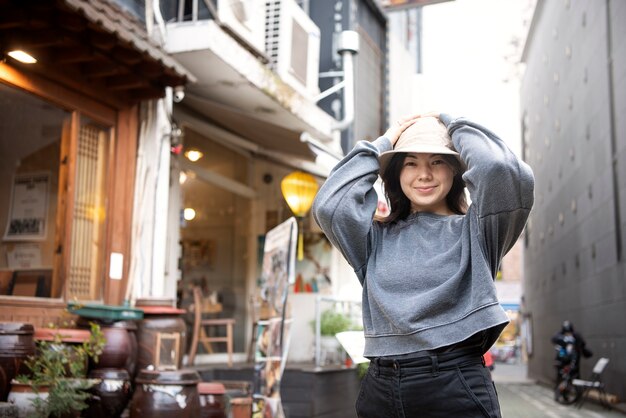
{"type": "Point", "coordinates": [435, 365]}
{"type": "Point", "coordinates": [377, 366]}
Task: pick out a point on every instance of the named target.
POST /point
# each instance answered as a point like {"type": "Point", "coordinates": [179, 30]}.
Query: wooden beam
{"type": "Point", "coordinates": [99, 68]}
{"type": "Point", "coordinates": [74, 54]}
{"type": "Point", "coordinates": [125, 82]}
{"type": "Point", "coordinates": [126, 55]}
{"type": "Point", "coordinates": [37, 38]}
{"type": "Point", "coordinates": [147, 93]}
{"type": "Point", "coordinates": [71, 22]}
{"type": "Point", "coordinates": [149, 68]}
{"type": "Point", "coordinates": [73, 98]}
{"type": "Point", "coordinates": [13, 18]}
{"type": "Point", "coordinates": [102, 40]}
{"type": "Point", "coordinates": [122, 185]}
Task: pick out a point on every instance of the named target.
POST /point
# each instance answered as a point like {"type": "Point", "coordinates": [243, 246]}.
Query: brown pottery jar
{"type": "Point", "coordinates": [212, 400]}
{"type": "Point", "coordinates": [16, 344]}
{"type": "Point", "coordinates": [166, 394]}
{"type": "Point", "coordinates": [120, 350]}
{"type": "Point", "coordinates": [161, 338]}
{"type": "Point", "coordinates": [111, 395]}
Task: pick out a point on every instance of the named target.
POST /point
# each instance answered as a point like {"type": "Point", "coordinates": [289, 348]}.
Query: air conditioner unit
{"type": "Point", "coordinates": [245, 19]}
{"type": "Point", "coordinates": [292, 43]}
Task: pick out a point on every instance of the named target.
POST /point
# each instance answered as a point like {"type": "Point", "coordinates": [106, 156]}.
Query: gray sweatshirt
{"type": "Point", "coordinates": [428, 279]}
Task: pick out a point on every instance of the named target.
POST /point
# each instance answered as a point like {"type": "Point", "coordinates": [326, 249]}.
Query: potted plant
{"type": "Point", "coordinates": [332, 322]}
{"type": "Point", "coordinates": [57, 374]}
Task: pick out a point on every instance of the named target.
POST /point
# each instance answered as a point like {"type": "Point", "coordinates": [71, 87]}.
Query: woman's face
{"type": "Point", "coordinates": [425, 180]}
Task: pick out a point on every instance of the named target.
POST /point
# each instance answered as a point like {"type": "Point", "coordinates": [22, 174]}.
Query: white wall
{"type": "Point", "coordinates": [470, 56]}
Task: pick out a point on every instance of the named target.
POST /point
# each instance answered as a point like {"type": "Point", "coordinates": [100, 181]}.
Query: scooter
{"type": "Point", "coordinates": [567, 370]}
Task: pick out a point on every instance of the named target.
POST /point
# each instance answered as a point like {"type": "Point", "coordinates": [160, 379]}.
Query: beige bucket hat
{"type": "Point", "coordinates": [426, 135]}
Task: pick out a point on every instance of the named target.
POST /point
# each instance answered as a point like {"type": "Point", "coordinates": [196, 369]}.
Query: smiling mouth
{"type": "Point", "coordinates": [425, 189]}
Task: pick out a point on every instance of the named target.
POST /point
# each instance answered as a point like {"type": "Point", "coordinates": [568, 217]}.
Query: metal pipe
{"type": "Point", "coordinates": [347, 47]}
{"type": "Point", "coordinates": [348, 93]}
{"type": "Point", "coordinates": [156, 10]}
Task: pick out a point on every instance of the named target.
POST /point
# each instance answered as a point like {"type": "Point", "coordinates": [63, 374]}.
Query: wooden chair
{"type": "Point", "coordinates": [202, 332]}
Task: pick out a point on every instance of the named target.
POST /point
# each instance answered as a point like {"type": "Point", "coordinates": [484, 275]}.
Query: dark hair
{"type": "Point", "coordinates": [400, 205]}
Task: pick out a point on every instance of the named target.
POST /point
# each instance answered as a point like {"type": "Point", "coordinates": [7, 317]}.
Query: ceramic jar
{"type": "Point", "coordinates": [212, 401]}
{"type": "Point", "coordinates": [16, 344]}
{"type": "Point", "coordinates": [120, 350]}
{"type": "Point", "coordinates": [111, 395]}
{"type": "Point", "coordinates": [166, 394]}
{"type": "Point", "coordinates": [22, 396]}
{"type": "Point", "coordinates": [161, 338]}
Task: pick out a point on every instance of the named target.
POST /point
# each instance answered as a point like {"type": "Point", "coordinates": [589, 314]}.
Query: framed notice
{"type": "Point", "coordinates": [28, 207]}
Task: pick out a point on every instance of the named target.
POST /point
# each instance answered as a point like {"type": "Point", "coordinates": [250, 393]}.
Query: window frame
{"type": "Point", "coordinates": [122, 121]}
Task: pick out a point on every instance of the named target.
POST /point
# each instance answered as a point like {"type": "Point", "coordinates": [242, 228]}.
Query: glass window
{"type": "Point", "coordinates": [52, 199]}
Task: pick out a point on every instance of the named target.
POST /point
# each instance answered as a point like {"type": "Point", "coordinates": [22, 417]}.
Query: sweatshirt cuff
{"type": "Point", "coordinates": [382, 144]}
{"type": "Point", "coordinates": [445, 119]}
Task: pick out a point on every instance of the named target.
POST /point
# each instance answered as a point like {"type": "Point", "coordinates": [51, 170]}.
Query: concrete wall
{"type": "Point", "coordinates": [574, 104]}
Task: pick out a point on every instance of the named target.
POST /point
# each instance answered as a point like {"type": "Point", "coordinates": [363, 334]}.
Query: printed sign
{"type": "Point", "coordinates": [28, 210]}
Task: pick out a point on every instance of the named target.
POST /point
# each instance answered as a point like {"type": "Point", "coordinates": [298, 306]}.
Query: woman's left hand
{"type": "Point", "coordinates": [396, 129]}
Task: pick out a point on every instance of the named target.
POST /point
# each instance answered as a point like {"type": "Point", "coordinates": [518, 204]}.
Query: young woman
{"type": "Point", "coordinates": [430, 309]}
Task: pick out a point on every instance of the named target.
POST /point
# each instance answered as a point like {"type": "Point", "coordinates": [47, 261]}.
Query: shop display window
{"type": "Point", "coordinates": [52, 199]}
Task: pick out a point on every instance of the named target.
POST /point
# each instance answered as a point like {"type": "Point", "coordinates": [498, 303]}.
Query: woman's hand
{"type": "Point", "coordinates": [396, 129]}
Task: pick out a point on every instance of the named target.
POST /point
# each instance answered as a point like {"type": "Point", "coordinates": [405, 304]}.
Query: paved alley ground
{"type": "Point", "coordinates": [523, 398]}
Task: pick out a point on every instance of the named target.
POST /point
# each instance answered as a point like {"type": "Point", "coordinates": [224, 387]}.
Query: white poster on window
{"type": "Point", "coordinates": [28, 208]}
{"type": "Point", "coordinates": [24, 256]}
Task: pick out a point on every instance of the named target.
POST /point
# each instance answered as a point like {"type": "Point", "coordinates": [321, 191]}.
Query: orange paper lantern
{"type": "Point", "coordinates": [299, 190]}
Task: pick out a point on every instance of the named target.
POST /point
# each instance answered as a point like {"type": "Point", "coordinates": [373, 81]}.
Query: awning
{"type": "Point", "coordinates": [94, 42]}
{"type": "Point", "coordinates": [255, 130]}
{"type": "Point", "coordinates": [298, 150]}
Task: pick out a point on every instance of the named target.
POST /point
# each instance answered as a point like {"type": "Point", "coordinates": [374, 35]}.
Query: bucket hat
{"type": "Point", "coordinates": [426, 135]}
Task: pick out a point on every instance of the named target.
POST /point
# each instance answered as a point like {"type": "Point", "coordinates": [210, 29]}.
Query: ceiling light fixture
{"type": "Point", "coordinates": [193, 155]}
{"type": "Point", "coordinates": [189, 214]}
{"type": "Point", "coordinates": [22, 56]}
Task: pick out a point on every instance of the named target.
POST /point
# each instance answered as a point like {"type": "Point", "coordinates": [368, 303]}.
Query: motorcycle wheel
{"type": "Point", "coordinates": [565, 393]}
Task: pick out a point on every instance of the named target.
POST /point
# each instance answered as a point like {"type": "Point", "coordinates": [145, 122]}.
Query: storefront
{"type": "Point", "coordinates": [69, 132]}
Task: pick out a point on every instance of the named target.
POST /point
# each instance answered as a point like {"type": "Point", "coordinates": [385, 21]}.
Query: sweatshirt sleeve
{"type": "Point", "coordinates": [346, 203]}
{"type": "Point", "coordinates": [501, 186]}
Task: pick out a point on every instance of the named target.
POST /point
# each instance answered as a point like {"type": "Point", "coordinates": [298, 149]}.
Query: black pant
{"type": "Point", "coordinates": [452, 384]}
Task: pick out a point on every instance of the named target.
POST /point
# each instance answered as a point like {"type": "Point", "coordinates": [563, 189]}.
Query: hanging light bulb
{"type": "Point", "coordinates": [299, 190]}
{"type": "Point", "coordinates": [189, 214]}
{"type": "Point", "coordinates": [193, 155]}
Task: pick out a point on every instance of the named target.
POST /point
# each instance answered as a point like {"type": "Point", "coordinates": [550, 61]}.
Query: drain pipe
{"type": "Point", "coordinates": [347, 47]}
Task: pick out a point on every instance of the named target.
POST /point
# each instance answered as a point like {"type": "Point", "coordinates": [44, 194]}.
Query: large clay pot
{"type": "Point", "coordinates": [111, 395]}
{"type": "Point", "coordinates": [16, 344]}
{"type": "Point", "coordinates": [161, 338]}
{"type": "Point", "coordinates": [120, 350]}
{"type": "Point", "coordinates": [8, 410]}
{"type": "Point", "coordinates": [166, 394]}
{"type": "Point", "coordinates": [22, 395]}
